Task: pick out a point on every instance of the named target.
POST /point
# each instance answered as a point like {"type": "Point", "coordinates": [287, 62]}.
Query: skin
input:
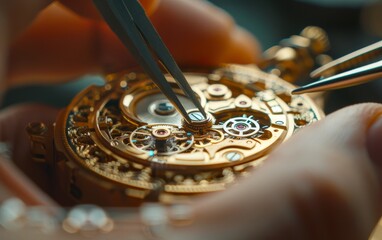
{"type": "Point", "coordinates": [321, 183]}
{"type": "Point", "coordinates": [47, 51]}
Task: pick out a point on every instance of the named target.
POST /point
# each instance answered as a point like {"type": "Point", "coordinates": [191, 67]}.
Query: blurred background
{"type": "Point", "coordinates": [350, 24]}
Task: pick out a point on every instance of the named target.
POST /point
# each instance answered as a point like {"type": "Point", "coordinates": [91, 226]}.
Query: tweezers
{"type": "Point", "coordinates": [129, 21]}
{"type": "Point", "coordinates": [349, 78]}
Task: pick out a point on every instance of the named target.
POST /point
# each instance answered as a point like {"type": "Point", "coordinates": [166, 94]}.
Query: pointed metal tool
{"type": "Point", "coordinates": [349, 78]}
{"type": "Point", "coordinates": [129, 21]}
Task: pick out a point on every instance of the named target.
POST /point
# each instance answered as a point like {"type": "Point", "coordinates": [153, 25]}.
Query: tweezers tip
{"type": "Point", "coordinates": [309, 88]}
{"type": "Point", "coordinates": [297, 91]}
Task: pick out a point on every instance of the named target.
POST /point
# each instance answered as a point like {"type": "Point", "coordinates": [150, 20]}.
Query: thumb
{"type": "Point", "coordinates": [324, 183]}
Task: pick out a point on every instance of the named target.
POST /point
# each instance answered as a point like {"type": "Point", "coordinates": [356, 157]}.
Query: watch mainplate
{"type": "Point", "coordinates": [126, 132]}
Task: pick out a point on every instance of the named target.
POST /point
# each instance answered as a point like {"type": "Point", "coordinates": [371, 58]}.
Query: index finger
{"type": "Point", "coordinates": [61, 45]}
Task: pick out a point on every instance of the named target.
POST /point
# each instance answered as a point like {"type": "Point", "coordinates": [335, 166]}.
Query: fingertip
{"type": "Point", "coordinates": [59, 45]}
{"type": "Point", "coordinates": [244, 48]}
{"type": "Point", "coordinates": [196, 32]}
{"type": "Point", "coordinates": [317, 185]}
{"type": "Point", "coordinates": [346, 127]}
{"type": "Point", "coordinates": [374, 143]}
{"type": "Point", "coordinates": [334, 153]}
{"type": "Point", "coordinates": [18, 14]}
{"type": "Point", "coordinates": [113, 56]}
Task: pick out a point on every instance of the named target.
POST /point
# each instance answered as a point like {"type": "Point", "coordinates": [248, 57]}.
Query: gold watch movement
{"type": "Point", "coordinates": [124, 143]}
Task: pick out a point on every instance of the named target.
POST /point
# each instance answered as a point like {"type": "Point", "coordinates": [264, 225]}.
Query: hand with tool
{"type": "Point", "coordinates": [323, 184]}
{"type": "Point", "coordinates": [68, 39]}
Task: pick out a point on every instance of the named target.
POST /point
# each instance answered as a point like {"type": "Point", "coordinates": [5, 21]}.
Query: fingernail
{"type": "Point", "coordinates": [374, 141]}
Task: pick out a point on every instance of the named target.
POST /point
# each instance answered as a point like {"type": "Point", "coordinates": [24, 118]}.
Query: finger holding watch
{"type": "Point", "coordinates": [323, 183]}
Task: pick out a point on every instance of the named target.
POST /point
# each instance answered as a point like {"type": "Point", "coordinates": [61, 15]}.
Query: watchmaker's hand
{"type": "Point", "coordinates": [60, 44]}
{"type": "Point", "coordinates": [68, 39]}
{"type": "Point", "coordinates": [302, 192]}
{"type": "Point", "coordinates": [325, 183]}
